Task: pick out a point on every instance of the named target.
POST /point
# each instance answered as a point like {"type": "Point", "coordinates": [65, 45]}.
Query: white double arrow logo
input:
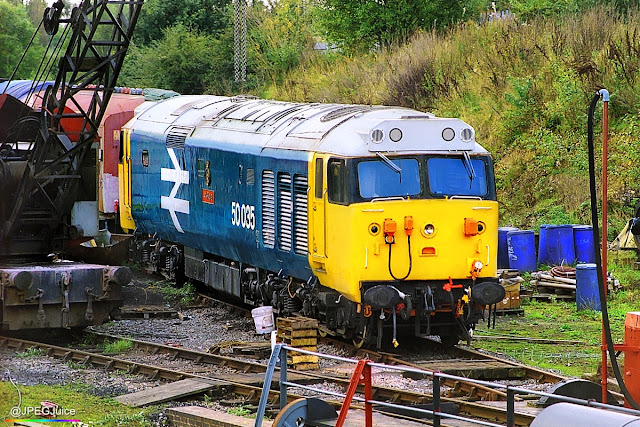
{"type": "Point", "coordinates": [177, 176]}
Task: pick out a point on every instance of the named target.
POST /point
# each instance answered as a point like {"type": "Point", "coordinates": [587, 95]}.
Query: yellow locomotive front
{"type": "Point", "coordinates": [408, 236]}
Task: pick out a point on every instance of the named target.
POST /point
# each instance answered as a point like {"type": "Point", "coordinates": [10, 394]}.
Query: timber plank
{"type": "Point", "coordinates": [191, 386]}
{"type": "Point", "coordinates": [168, 392]}
{"type": "Point", "coordinates": [477, 369]}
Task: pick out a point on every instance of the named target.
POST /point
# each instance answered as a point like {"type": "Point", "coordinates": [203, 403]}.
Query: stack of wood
{"type": "Point", "coordinates": [553, 284]}
{"type": "Point", "coordinates": [300, 332]}
{"type": "Point", "coordinates": [563, 285]}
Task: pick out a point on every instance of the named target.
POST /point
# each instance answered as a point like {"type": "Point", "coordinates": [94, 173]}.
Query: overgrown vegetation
{"type": "Point", "coordinates": [119, 346]}
{"type": "Point", "coordinates": [521, 72]}
{"type": "Point", "coordinates": [525, 87]}
{"type": "Point", "coordinates": [184, 295]}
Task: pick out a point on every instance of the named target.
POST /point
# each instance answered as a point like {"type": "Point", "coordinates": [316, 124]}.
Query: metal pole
{"type": "Point", "coordinates": [240, 40]}
{"type": "Point", "coordinates": [436, 400]}
{"type": "Point", "coordinates": [511, 409]}
{"type": "Point", "coordinates": [605, 133]}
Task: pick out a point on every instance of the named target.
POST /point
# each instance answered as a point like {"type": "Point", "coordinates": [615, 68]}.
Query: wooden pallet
{"type": "Point", "coordinates": [300, 332]}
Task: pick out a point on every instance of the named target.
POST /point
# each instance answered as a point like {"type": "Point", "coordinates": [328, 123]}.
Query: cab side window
{"type": "Point", "coordinates": [319, 178]}
{"type": "Point", "coordinates": [337, 181]}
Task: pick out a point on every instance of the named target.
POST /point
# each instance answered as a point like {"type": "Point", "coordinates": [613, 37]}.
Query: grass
{"type": "Point", "coordinates": [561, 320]}
{"type": "Point", "coordinates": [185, 295]}
{"type": "Point", "coordinates": [31, 352]}
{"type": "Point", "coordinates": [119, 346]}
{"type": "Point", "coordinates": [91, 410]}
{"type": "Point", "coordinates": [241, 411]}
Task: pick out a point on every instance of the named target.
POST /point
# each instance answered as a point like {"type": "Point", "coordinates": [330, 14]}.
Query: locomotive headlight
{"type": "Point", "coordinates": [428, 230]}
{"type": "Point", "coordinates": [448, 134]}
{"type": "Point", "coordinates": [395, 134]}
{"type": "Point", "coordinates": [466, 135]}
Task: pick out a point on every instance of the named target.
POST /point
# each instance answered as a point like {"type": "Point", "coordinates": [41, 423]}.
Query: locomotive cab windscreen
{"type": "Point", "coordinates": [412, 177]}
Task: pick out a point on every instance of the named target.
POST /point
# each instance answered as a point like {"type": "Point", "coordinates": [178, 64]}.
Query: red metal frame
{"type": "Point", "coordinates": [361, 376]}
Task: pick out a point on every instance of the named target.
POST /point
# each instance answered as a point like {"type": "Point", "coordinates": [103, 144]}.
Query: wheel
{"type": "Point", "coordinates": [298, 412]}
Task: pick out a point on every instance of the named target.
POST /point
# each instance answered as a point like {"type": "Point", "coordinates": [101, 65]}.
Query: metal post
{"type": "Point", "coordinates": [605, 133]}
{"type": "Point", "coordinates": [268, 377]}
{"type": "Point", "coordinates": [361, 375]}
{"type": "Point", "coordinates": [436, 399]}
{"type": "Point", "coordinates": [240, 40]}
{"type": "Point", "coordinates": [368, 395]}
{"type": "Point", "coordinates": [283, 377]}
{"type": "Point", "coordinates": [511, 415]}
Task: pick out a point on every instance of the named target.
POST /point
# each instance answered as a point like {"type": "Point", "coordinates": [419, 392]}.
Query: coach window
{"type": "Point", "coordinates": [319, 178]}
{"type": "Point", "coordinates": [337, 181]}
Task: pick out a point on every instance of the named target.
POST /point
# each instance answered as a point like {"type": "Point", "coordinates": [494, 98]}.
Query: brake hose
{"type": "Point", "coordinates": [410, 261]}
{"type": "Point", "coordinates": [596, 247]}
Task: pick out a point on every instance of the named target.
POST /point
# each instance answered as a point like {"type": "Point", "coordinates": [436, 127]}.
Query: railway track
{"type": "Point", "coordinates": [458, 351]}
{"type": "Point", "coordinates": [248, 392]}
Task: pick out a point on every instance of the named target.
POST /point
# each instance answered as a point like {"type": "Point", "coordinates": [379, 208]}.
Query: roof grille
{"type": "Point", "coordinates": [177, 136]}
{"type": "Point", "coordinates": [344, 111]}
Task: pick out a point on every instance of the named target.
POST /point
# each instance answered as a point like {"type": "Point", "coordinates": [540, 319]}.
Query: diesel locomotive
{"type": "Point", "coordinates": [368, 218]}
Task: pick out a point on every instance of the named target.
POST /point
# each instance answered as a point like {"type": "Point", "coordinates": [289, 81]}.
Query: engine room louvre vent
{"type": "Point", "coordinates": [268, 209]}
{"type": "Point", "coordinates": [285, 212]}
{"type": "Point", "coordinates": [177, 136]}
{"type": "Point", "coordinates": [300, 188]}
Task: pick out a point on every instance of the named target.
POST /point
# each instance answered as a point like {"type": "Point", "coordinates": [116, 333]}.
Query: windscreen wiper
{"type": "Point", "coordinates": [468, 167]}
{"type": "Point", "coordinates": [389, 163]}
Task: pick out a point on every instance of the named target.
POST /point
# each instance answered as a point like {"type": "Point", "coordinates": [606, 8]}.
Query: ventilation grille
{"type": "Point", "coordinates": [344, 111]}
{"type": "Point", "coordinates": [268, 209]}
{"type": "Point", "coordinates": [177, 136]}
{"type": "Point", "coordinates": [285, 212]}
{"type": "Point", "coordinates": [250, 176]}
{"type": "Point", "coordinates": [300, 188]}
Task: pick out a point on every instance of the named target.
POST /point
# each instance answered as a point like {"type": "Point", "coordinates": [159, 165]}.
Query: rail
{"type": "Point", "coordinates": [362, 376]}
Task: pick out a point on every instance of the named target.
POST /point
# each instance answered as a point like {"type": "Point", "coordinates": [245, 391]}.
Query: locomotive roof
{"type": "Point", "coordinates": [252, 125]}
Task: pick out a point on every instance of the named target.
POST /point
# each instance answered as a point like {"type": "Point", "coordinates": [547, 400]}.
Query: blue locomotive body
{"type": "Point", "coordinates": [208, 197]}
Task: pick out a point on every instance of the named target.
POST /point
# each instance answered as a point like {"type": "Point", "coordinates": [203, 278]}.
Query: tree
{"type": "Point", "coordinates": [35, 10]}
{"type": "Point", "coordinates": [204, 16]}
{"type": "Point", "coordinates": [182, 60]}
{"type": "Point", "coordinates": [369, 24]}
{"type": "Point", "coordinates": [15, 32]}
{"type": "Point", "coordinates": [278, 37]}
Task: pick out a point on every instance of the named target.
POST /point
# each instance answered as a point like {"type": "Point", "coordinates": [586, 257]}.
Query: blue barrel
{"type": "Point", "coordinates": [583, 243]}
{"type": "Point", "coordinates": [587, 292]}
{"type": "Point", "coordinates": [559, 244]}
{"type": "Point", "coordinates": [542, 246]}
{"type": "Point", "coordinates": [503, 251]}
{"type": "Point", "coordinates": [522, 250]}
